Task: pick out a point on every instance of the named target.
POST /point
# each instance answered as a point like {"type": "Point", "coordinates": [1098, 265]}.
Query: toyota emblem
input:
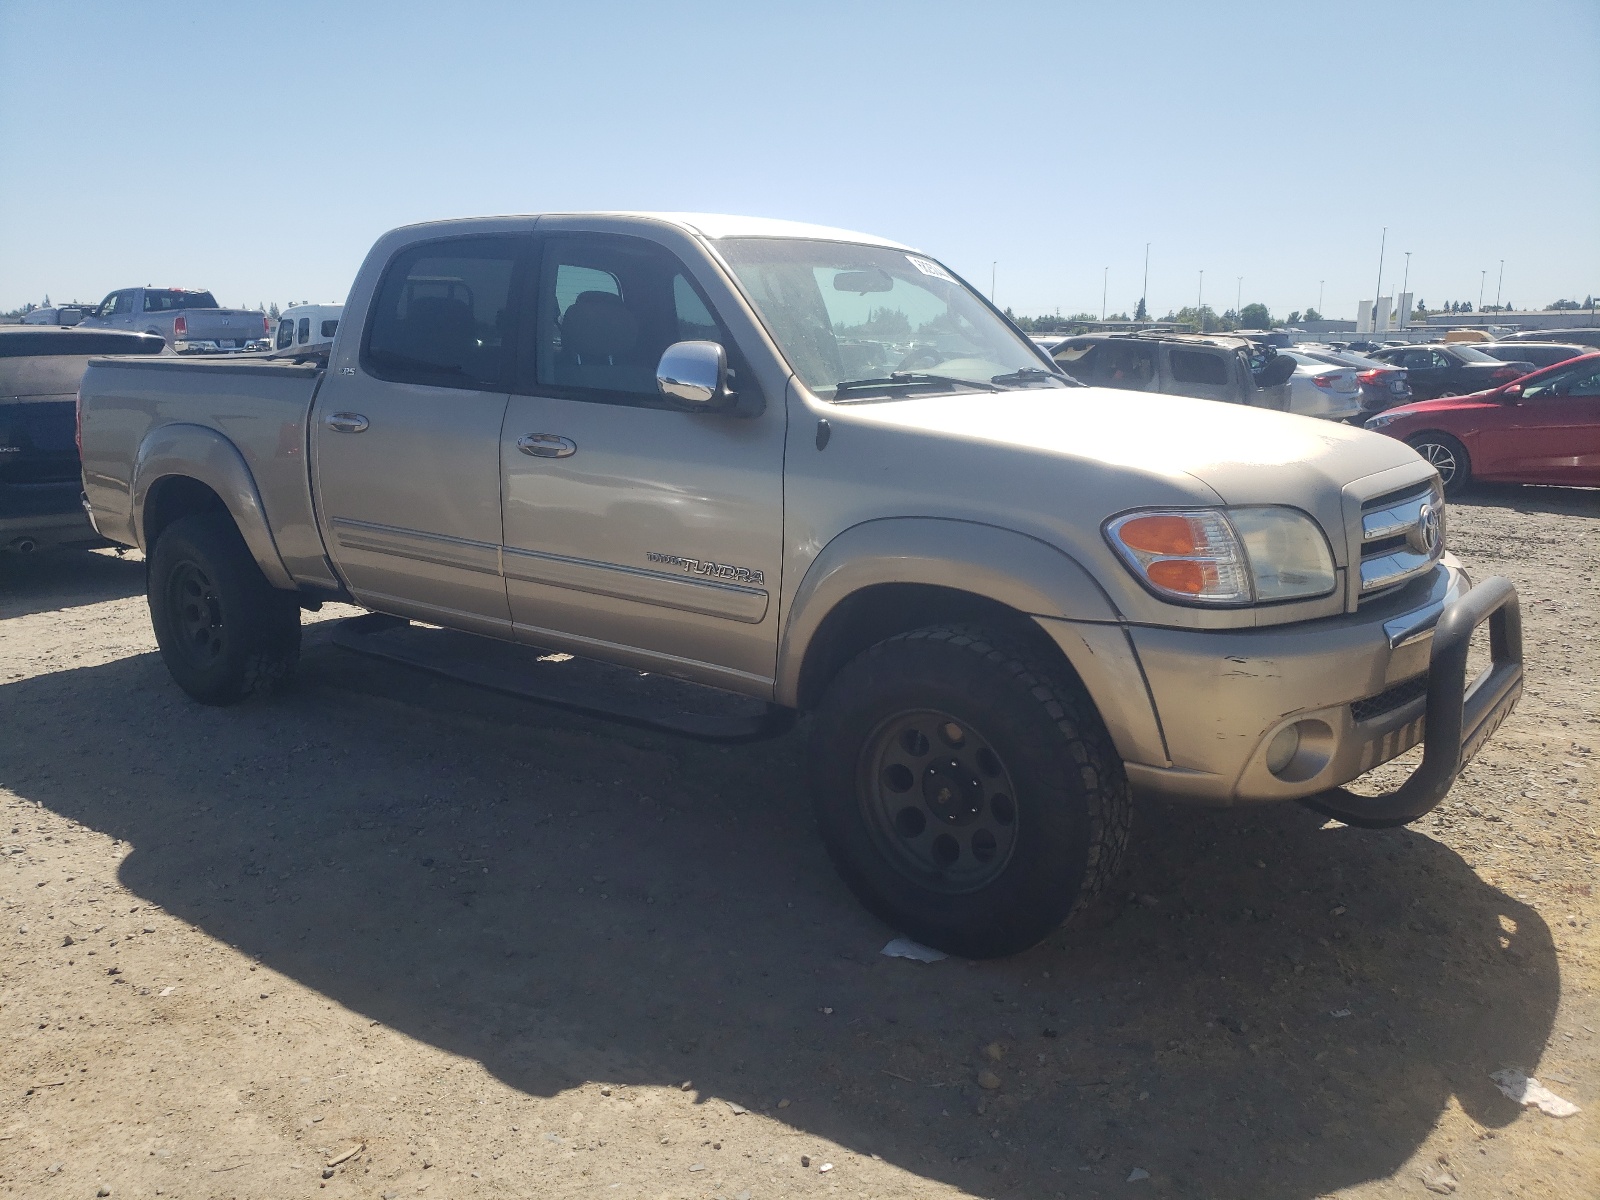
{"type": "Point", "coordinates": [1424, 535]}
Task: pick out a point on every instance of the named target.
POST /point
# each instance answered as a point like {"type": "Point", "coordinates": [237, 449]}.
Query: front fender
{"type": "Point", "coordinates": [207, 456]}
{"type": "Point", "coordinates": [998, 564]}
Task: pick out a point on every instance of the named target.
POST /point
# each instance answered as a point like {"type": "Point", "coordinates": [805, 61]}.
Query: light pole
{"type": "Point", "coordinates": [1105, 282]}
{"type": "Point", "coordinates": [1497, 284]}
{"type": "Point", "coordinates": [1238, 301]}
{"type": "Point", "coordinates": [992, 267]}
{"type": "Point", "coordinates": [1144, 288]}
{"type": "Point", "coordinates": [1320, 314]}
{"type": "Point", "coordinates": [1199, 303]}
{"type": "Point", "coordinates": [1404, 280]}
{"type": "Point", "coordinates": [1379, 293]}
{"type": "Point", "coordinates": [1483, 277]}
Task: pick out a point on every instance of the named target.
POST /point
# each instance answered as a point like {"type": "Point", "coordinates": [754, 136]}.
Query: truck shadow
{"type": "Point", "coordinates": [57, 579]}
{"type": "Point", "coordinates": [1280, 1010]}
{"type": "Point", "coordinates": [1532, 498]}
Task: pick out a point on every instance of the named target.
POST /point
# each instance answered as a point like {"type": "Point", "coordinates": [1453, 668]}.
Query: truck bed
{"type": "Point", "coordinates": [259, 405]}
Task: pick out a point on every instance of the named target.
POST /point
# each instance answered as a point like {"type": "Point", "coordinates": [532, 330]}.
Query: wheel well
{"type": "Point", "coordinates": [172, 497]}
{"type": "Point", "coordinates": [873, 614]}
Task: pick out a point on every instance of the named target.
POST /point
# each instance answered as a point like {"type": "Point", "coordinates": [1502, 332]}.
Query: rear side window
{"type": "Point", "coordinates": [328, 327]}
{"type": "Point", "coordinates": [303, 333]}
{"type": "Point", "coordinates": [443, 315]}
{"type": "Point", "coordinates": [1196, 366]}
{"type": "Point", "coordinates": [285, 337]}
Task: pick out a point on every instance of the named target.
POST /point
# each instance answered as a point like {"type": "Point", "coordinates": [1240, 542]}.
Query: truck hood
{"type": "Point", "coordinates": [1243, 455]}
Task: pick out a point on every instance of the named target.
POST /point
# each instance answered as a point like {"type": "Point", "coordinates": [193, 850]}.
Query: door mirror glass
{"type": "Point", "coordinates": [695, 373]}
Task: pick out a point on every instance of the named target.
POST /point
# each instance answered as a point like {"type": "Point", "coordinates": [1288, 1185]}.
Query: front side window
{"type": "Point", "coordinates": [443, 315]}
{"type": "Point", "coordinates": [1579, 381]}
{"type": "Point", "coordinates": [849, 318]}
{"type": "Point", "coordinates": [608, 306]}
{"type": "Point", "coordinates": [303, 331]}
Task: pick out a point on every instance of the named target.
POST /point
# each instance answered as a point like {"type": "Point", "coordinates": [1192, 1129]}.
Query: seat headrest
{"type": "Point", "coordinates": [599, 325]}
{"type": "Point", "coordinates": [440, 330]}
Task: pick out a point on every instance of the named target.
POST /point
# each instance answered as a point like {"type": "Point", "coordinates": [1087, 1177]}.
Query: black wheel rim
{"type": "Point", "coordinates": [938, 800]}
{"type": "Point", "coordinates": [198, 614]}
{"type": "Point", "coordinates": [1439, 458]}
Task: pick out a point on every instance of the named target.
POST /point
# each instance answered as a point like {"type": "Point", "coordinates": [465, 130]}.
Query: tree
{"type": "Point", "coordinates": [1419, 309]}
{"type": "Point", "coordinates": [1293, 318]}
{"type": "Point", "coordinates": [1141, 313]}
{"type": "Point", "coordinates": [1255, 316]}
{"type": "Point", "coordinates": [1313, 315]}
{"type": "Point", "coordinates": [272, 310]}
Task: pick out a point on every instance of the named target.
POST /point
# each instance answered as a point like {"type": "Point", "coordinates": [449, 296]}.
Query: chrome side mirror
{"type": "Point", "coordinates": [695, 373]}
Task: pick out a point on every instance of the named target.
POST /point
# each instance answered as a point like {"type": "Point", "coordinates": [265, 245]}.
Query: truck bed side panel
{"type": "Point", "coordinates": [261, 408]}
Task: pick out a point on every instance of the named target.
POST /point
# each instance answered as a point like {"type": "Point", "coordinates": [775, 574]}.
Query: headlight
{"type": "Point", "coordinates": [1231, 556]}
{"type": "Point", "coordinates": [1382, 419]}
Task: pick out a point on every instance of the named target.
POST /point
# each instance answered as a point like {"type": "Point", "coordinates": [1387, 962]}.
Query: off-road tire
{"type": "Point", "coordinates": [225, 633]}
{"type": "Point", "coordinates": [1446, 455]}
{"type": "Point", "coordinates": [1071, 809]}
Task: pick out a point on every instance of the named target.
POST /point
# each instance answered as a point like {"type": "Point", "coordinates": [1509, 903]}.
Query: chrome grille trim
{"type": "Point", "coordinates": [1384, 564]}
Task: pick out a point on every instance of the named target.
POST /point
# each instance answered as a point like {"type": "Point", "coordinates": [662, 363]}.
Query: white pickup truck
{"type": "Point", "coordinates": [817, 469]}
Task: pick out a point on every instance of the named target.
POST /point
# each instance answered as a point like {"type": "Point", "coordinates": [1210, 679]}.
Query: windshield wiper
{"type": "Point", "coordinates": [896, 379]}
{"type": "Point", "coordinates": [1028, 374]}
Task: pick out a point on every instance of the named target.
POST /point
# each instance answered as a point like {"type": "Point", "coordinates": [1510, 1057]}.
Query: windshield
{"type": "Point", "coordinates": [858, 316]}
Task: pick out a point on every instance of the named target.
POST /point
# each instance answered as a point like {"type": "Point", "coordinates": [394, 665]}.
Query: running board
{"type": "Point", "coordinates": [581, 685]}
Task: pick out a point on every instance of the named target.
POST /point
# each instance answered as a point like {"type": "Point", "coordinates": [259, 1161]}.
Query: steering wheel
{"type": "Point", "coordinates": [919, 360]}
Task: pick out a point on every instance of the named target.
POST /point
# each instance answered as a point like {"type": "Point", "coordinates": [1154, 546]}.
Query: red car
{"type": "Point", "coordinates": [1542, 428]}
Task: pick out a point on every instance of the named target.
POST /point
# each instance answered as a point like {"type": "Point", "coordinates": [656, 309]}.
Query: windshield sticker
{"type": "Point", "coordinates": [929, 267]}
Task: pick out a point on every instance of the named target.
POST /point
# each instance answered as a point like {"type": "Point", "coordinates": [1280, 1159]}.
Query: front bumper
{"type": "Point", "coordinates": [1360, 689]}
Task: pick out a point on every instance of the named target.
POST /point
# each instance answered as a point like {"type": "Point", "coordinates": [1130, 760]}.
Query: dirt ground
{"type": "Point", "coordinates": [510, 951]}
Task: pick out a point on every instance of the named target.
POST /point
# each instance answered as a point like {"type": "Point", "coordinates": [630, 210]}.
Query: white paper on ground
{"type": "Point", "coordinates": [906, 948]}
{"type": "Point", "coordinates": [1530, 1093]}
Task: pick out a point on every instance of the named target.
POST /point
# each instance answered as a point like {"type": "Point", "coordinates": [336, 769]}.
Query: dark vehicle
{"type": "Point", "coordinates": [1363, 347]}
{"type": "Point", "coordinates": [1540, 354]}
{"type": "Point", "coordinates": [1541, 428]}
{"type": "Point", "coordinates": [40, 489]}
{"type": "Point", "coordinates": [1583, 337]}
{"type": "Point", "coordinates": [1450, 369]}
{"type": "Point", "coordinates": [1383, 385]}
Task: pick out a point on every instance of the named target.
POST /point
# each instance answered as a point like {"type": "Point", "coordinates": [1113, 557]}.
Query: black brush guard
{"type": "Point", "coordinates": [1458, 719]}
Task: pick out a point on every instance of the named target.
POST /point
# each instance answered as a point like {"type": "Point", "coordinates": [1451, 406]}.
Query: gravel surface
{"type": "Point", "coordinates": [386, 935]}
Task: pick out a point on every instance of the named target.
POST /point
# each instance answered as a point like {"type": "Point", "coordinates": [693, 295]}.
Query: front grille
{"type": "Point", "coordinates": [1402, 537]}
{"type": "Point", "coordinates": [1389, 699]}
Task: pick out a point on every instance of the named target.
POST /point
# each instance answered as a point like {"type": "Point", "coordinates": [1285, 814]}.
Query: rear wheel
{"type": "Point", "coordinates": [1447, 456]}
{"type": "Point", "coordinates": [225, 633]}
{"type": "Point", "coordinates": [967, 796]}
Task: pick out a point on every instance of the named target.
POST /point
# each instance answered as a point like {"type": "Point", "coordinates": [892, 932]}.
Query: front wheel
{"type": "Point", "coordinates": [1447, 456]}
{"type": "Point", "coordinates": [968, 795]}
{"type": "Point", "coordinates": [225, 632]}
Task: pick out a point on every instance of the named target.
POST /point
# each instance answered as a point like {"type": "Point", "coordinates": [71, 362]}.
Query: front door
{"type": "Point", "coordinates": [406, 448]}
{"type": "Point", "coordinates": [633, 530]}
{"type": "Point", "coordinates": [1552, 432]}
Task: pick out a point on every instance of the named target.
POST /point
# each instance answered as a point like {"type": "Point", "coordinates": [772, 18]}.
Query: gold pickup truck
{"type": "Point", "coordinates": [816, 468]}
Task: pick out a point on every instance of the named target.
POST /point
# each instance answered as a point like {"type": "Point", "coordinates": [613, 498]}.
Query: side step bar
{"type": "Point", "coordinates": [580, 685]}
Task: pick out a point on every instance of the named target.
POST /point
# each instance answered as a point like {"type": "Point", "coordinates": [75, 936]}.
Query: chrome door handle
{"type": "Point", "coordinates": [346, 422]}
{"type": "Point", "coordinates": [547, 445]}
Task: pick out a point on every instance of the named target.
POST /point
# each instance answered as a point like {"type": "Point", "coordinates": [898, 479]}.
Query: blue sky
{"type": "Point", "coordinates": [259, 149]}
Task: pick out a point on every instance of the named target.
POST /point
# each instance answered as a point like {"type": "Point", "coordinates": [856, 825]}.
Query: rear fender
{"type": "Point", "coordinates": [199, 453]}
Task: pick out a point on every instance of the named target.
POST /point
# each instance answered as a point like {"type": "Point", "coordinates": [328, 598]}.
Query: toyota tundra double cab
{"type": "Point", "coordinates": [817, 469]}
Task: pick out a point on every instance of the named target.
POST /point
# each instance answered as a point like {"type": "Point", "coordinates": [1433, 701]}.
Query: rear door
{"type": "Point", "coordinates": [1426, 370]}
{"type": "Point", "coordinates": [1200, 371]}
{"type": "Point", "coordinates": [406, 445]}
{"type": "Point", "coordinates": [634, 530]}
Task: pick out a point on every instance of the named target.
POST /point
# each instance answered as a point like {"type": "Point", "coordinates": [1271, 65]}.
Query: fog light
{"type": "Point", "coordinates": [1281, 751]}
